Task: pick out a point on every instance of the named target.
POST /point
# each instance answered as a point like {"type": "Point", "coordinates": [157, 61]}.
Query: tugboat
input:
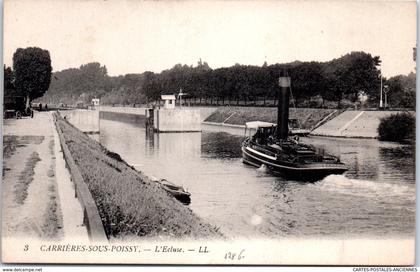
{"type": "Point", "coordinates": [270, 145]}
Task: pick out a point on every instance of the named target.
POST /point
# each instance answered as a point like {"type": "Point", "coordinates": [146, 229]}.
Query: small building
{"type": "Point", "coordinates": [95, 102]}
{"type": "Point", "coordinates": [169, 101]}
{"type": "Point", "coordinates": [171, 119]}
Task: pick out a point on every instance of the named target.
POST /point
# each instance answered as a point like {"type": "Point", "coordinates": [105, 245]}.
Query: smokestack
{"type": "Point", "coordinates": [283, 108]}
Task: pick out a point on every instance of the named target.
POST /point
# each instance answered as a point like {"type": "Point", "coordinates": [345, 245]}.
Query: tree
{"type": "Point", "coordinates": [362, 75]}
{"type": "Point", "coordinates": [9, 78]}
{"type": "Point", "coordinates": [397, 127]}
{"type": "Point", "coordinates": [32, 67]}
{"type": "Point", "coordinates": [343, 78]}
{"type": "Point", "coordinates": [402, 91]}
{"type": "Point", "coordinates": [307, 80]}
{"type": "Point", "coordinates": [151, 86]}
{"type": "Point", "coordinates": [67, 86]}
{"type": "Point", "coordinates": [351, 75]}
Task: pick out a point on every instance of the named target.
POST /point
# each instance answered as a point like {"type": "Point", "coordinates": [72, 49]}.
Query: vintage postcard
{"type": "Point", "coordinates": [209, 132]}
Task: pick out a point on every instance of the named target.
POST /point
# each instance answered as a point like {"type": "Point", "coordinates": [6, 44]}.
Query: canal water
{"type": "Point", "coordinates": [375, 198]}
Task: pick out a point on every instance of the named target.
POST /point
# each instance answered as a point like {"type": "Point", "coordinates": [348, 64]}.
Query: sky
{"type": "Point", "coordinates": [136, 36]}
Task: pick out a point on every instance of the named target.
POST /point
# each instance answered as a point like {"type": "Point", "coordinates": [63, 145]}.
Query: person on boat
{"type": "Point", "coordinates": [260, 137]}
{"type": "Point", "coordinates": [257, 137]}
{"type": "Point", "coordinates": [271, 140]}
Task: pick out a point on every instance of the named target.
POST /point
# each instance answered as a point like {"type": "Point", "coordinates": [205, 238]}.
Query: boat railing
{"type": "Point", "coordinates": [264, 149]}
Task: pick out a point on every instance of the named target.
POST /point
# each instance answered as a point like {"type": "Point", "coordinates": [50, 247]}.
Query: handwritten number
{"type": "Point", "coordinates": [241, 256]}
{"type": "Point", "coordinates": [26, 248]}
{"type": "Point", "coordinates": [232, 255]}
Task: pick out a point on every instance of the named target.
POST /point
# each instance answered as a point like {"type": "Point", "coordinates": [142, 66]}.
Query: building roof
{"type": "Point", "coordinates": [168, 97]}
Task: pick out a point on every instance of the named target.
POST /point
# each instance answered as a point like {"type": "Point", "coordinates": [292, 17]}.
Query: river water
{"type": "Point", "coordinates": [375, 198]}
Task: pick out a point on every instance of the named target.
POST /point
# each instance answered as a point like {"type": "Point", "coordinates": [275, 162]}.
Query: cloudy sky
{"type": "Point", "coordinates": [136, 36]}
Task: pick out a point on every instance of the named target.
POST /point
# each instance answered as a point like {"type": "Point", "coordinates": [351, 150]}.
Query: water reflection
{"type": "Point", "coordinates": [220, 145]}
{"type": "Point", "coordinates": [376, 196]}
{"type": "Point", "coordinates": [400, 160]}
{"type": "Point", "coordinates": [176, 145]}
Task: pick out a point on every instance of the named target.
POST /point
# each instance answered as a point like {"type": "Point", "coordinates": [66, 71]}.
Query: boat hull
{"type": "Point", "coordinates": [307, 172]}
{"type": "Point", "coordinates": [181, 196]}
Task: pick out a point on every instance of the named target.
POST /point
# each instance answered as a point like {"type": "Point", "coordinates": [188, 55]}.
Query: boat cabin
{"type": "Point", "coordinates": [260, 132]}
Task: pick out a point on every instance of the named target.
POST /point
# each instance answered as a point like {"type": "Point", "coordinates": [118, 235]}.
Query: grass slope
{"type": "Point", "coordinates": [240, 115]}
{"type": "Point", "coordinates": [128, 202]}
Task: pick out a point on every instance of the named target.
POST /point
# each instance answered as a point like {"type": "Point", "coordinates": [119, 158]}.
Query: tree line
{"type": "Point", "coordinates": [314, 84]}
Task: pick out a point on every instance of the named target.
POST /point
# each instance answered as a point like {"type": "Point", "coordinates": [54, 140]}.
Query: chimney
{"type": "Point", "coordinates": [283, 108]}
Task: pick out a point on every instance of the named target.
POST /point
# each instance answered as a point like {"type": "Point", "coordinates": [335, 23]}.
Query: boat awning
{"type": "Point", "coordinates": [259, 124]}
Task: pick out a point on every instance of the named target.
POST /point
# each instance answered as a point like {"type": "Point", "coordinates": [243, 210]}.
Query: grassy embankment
{"type": "Point", "coordinates": [129, 203]}
{"type": "Point", "coordinates": [307, 117]}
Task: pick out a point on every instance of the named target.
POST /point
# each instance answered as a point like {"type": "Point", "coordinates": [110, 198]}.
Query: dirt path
{"type": "Point", "coordinates": [30, 191]}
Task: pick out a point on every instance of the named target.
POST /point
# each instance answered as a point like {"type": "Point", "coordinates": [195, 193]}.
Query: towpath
{"type": "Point", "coordinates": [38, 199]}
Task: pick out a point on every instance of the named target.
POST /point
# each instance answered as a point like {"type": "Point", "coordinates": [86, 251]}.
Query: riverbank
{"type": "Point", "coordinates": [355, 124]}
{"type": "Point", "coordinates": [129, 203]}
{"type": "Point", "coordinates": [308, 118]}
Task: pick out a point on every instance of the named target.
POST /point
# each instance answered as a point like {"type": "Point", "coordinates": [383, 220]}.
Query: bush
{"type": "Point", "coordinates": [398, 127]}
